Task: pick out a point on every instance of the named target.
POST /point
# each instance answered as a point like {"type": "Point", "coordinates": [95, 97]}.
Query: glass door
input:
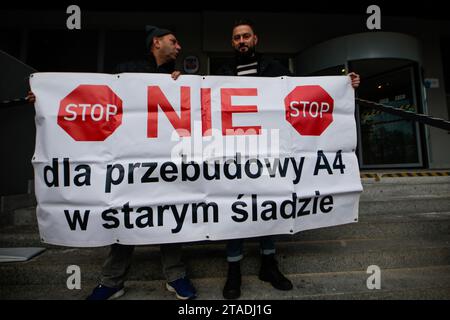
{"type": "Point", "coordinates": [386, 140]}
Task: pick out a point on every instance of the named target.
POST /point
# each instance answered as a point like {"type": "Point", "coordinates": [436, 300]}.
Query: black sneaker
{"type": "Point", "coordinates": [183, 288]}
{"type": "Point", "coordinates": [102, 292]}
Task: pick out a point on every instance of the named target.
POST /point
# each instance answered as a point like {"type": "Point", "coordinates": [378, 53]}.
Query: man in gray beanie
{"type": "Point", "coordinates": [152, 32]}
{"type": "Point", "coordinates": [164, 48]}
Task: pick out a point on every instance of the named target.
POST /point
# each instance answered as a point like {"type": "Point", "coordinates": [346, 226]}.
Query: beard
{"type": "Point", "coordinates": [244, 55]}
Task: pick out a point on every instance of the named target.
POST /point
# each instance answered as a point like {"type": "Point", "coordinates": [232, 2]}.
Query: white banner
{"type": "Point", "coordinates": [144, 159]}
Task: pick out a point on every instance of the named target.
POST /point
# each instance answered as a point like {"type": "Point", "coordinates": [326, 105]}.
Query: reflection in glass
{"type": "Point", "coordinates": [385, 138]}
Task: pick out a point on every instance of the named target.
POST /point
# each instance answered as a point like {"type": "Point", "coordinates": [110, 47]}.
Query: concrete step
{"type": "Point", "coordinates": [379, 226]}
{"type": "Point", "coordinates": [9, 204]}
{"type": "Point", "coordinates": [13, 202]}
{"type": "Point", "coordinates": [25, 216]}
{"type": "Point", "coordinates": [399, 283]}
{"type": "Point", "coordinates": [405, 204]}
{"type": "Point", "coordinates": [207, 259]}
{"type": "Point", "coordinates": [383, 226]}
{"type": "Point", "coordinates": [381, 190]}
{"type": "Point", "coordinates": [416, 180]}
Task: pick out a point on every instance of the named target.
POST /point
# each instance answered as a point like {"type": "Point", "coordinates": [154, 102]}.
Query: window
{"type": "Point", "coordinates": [445, 50]}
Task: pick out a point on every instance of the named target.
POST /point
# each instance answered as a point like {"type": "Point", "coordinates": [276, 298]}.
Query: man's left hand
{"type": "Point", "coordinates": [354, 77]}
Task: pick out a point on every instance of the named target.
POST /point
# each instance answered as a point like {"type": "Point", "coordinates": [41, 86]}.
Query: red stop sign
{"type": "Point", "coordinates": [90, 113]}
{"type": "Point", "coordinates": [309, 109]}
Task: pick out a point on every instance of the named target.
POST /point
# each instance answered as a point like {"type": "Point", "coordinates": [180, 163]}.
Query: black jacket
{"type": "Point", "coordinates": [267, 67]}
{"type": "Point", "coordinates": [145, 66]}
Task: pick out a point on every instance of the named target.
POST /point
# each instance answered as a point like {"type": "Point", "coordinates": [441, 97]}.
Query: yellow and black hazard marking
{"type": "Point", "coordinates": [417, 174]}
{"type": "Point", "coordinates": [370, 176]}
{"type": "Point", "coordinates": [378, 176]}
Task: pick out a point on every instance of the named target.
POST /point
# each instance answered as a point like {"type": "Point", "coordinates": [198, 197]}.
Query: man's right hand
{"type": "Point", "coordinates": [31, 98]}
{"type": "Point", "coordinates": [175, 75]}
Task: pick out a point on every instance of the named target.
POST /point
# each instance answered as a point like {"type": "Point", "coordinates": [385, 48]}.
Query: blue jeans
{"type": "Point", "coordinates": [235, 248]}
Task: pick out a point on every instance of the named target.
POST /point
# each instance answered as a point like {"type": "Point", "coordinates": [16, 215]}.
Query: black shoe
{"type": "Point", "coordinates": [102, 292]}
{"type": "Point", "coordinates": [183, 288]}
{"type": "Point", "coordinates": [232, 289]}
{"type": "Point", "coordinates": [269, 272]}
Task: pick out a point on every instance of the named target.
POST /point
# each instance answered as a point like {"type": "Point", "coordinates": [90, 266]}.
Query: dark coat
{"type": "Point", "coordinates": [267, 67]}
{"type": "Point", "coordinates": [145, 66]}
